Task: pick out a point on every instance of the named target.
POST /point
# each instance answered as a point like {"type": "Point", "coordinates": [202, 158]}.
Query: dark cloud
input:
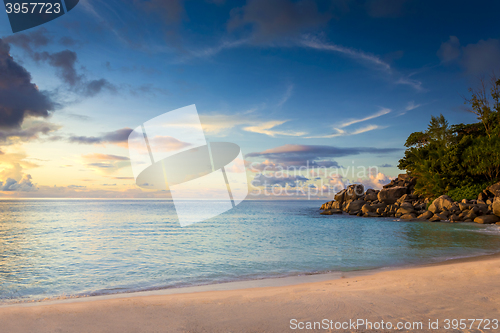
{"type": "Point", "coordinates": [386, 165]}
{"type": "Point", "coordinates": [115, 137]}
{"type": "Point", "coordinates": [148, 89]}
{"type": "Point", "coordinates": [19, 97]}
{"type": "Point", "coordinates": [271, 180]}
{"type": "Point", "coordinates": [302, 155]}
{"type": "Point", "coordinates": [101, 165]}
{"type": "Point", "coordinates": [480, 58]}
{"type": "Point", "coordinates": [24, 185]}
{"type": "Point", "coordinates": [94, 87]}
{"type": "Point", "coordinates": [67, 41]}
{"type": "Point", "coordinates": [79, 117]}
{"type": "Point", "coordinates": [64, 61]}
{"type": "Point", "coordinates": [385, 8]}
{"type": "Point", "coordinates": [86, 140]}
{"type": "Point", "coordinates": [30, 40]}
{"type": "Point", "coordinates": [277, 18]}
{"type": "Point", "coordinates": [449, 50]}
{"type": "Point", "coordinates": [76, 186]}
{"type": "Point", "coordinates": [30, 132]}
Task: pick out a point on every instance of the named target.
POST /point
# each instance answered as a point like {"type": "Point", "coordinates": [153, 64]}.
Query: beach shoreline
{"type": "Point", "coordinates": [280, 281]}
{"type": "Point", "coordinates": [434, 291]}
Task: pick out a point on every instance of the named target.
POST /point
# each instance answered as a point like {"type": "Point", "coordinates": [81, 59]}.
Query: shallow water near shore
{"type": "Point", "coordinates": [57, 248]}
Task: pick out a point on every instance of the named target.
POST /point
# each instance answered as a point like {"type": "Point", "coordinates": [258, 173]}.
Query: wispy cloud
{"type": "Point", "coordinates": [382, 112]}
{"type": "Point", "coordinates": [214, 50]}
{"type": "Point", "coordinates": [315, 43]}
{"type": "Point", "coordinates": [417, 85]}
{"type": "Point", "coordinates": [411, 106]}
{"type": "Point", "coordinates": [287, 95]}
{"type": "Point", "coordinates": [341, 132]}
{"type": "Point", "coordinates": [267, 129]}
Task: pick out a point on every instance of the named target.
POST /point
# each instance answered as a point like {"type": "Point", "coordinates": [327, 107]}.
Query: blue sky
{"type": "Point", "coordinates": [351, 75]}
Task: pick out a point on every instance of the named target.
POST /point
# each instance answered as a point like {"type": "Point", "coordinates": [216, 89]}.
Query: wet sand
{"type": "Point", "coordinates": [456, 289]}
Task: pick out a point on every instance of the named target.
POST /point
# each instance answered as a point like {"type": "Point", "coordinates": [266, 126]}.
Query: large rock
{"type": "Point", "coordinates": [405, 210]}
{"type": "Point", "coordinates": [408, 216]}
{"type": "Point", "coordinates": [371, 195]}
{"type": "Point", "coordinates": [331, 212]}
{"type": "Point", "coordinates": [355, 206]}
{"type": "Point", "coordinates": [392, 194]}
{"type": "Point", "coordinates": [444, 202]}
{"type": "Point", "coordinates": [496, 206]}
{"type": "Point", "coordinates": [487, 219]}
{"type": "Point", "coordinates": [340, 196]}
{"type": "Point", "coordinates": [495, 189]}
{"type": "Point", "coordinates": [371, 214]}
{"type": "Point", "coordinates": [425, 216]}
{"type": "Point", "coordinates": [368, 209]}
{"type": "Point", "coordinates": [354, 191]}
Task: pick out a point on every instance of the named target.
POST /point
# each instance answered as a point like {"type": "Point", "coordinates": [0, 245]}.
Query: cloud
{"type": "Point", "coordinates": [279, 18]}
{"type": "Point", "coordinates": [411, 106]}
{"type": "Point", "coordinates": [19, 97]}
{"type": "Point", "coordinates": [382, 112]}
{"type": "Point", "coordinates": [64, 62]}
{"type": "Point", "coordinates": [341, 132]}
{"type": "Point", "coordinates": [386, 165]}
{"type": "Point", "coordinates": [28, 41]}
{"type": "Point", "coordinates": [220, 124]}
{"type": "Point", "coordinates": [286, 96]}
{"type": "Point", "coordinates": [270, 180]}
{"type": "Point", "coordinates": [300, 155]}
{"type": "Point", "coordinates": [105, 163]}
{"type": "Point", "coordinates": [271, 166]}
{"type": "Point", "coordinates": [98, 156]}
{"type": "Point", "coordinates": [30, 130]}
{"type": "Point", "coordinates": [315, 43]}
{"type": "Point", "coordinates": [449, 50]}
{"type": "Point", "coordinates": [24, 185]}
{"type": "Point", "coordinates": [165, 143]}
{"type": "Point", "coordinates": [482, 57]}
{"type": "Point", "coordinates": [118, 137]}
{"type": "Point", "coordinates": [375, 181]}
{"type": "Point", "coordinates": [476, 59]}
{"type": "Point", "coordinates": [266, 128]}
{"type": "Point", "coordinates": [13, 165]}
{"type": "Point", "coordinates": [415, 84]}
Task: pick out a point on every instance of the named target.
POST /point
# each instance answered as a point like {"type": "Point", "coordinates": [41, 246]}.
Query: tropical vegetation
{"type": "Point", "coordinates": [458, 160]}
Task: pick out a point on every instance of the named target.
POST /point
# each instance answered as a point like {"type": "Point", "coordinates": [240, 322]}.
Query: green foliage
{"type": "Point", "coordinates": [457, 160]}
{"type": "Point", "coordinates": [469, 192]}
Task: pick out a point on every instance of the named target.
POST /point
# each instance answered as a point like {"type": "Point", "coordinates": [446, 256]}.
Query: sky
{"type": "Point", "coordinates": [337, 85]}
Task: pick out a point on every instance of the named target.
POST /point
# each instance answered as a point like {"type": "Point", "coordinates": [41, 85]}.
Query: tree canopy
{"type": "Point", "coordinates": [461, 159]}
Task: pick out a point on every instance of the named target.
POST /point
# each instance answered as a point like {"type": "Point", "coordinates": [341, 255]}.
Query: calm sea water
{"type": "Point", "coordinates": [53, 248]}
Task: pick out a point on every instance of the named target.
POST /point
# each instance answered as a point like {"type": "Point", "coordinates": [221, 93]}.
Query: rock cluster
{"type": "Point", "coordinates": [397, 199]}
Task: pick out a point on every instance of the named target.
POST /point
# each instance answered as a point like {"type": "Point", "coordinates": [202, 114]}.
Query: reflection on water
{"type": "Point", "coordinates": [50, 248]}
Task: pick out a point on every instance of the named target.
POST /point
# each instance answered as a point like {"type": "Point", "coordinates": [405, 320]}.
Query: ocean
{"type": "Point", "coordinates": [72, 248]}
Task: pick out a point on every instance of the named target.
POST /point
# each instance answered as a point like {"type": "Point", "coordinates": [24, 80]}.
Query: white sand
{"type": "Point", "coordinates": [460, 289]}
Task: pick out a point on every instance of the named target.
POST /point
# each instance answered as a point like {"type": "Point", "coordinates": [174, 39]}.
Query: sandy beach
{"type": "Point", "coordinates": [456, 289]}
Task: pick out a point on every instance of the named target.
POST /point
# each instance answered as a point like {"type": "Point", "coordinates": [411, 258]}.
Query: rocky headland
{"type": "Point", "coordinates": [398, 199]}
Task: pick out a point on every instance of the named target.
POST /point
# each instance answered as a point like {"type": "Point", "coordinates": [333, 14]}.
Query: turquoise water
{"type": "Point", "coordinates": [53, 248]}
